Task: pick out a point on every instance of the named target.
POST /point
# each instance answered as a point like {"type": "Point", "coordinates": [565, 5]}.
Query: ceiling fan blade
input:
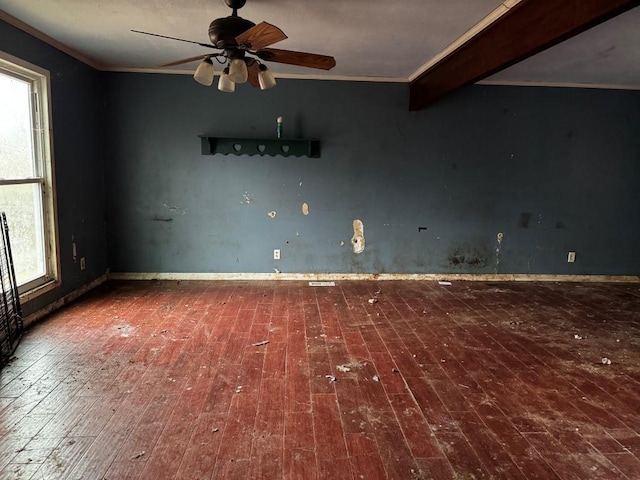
{"type": "Point", "coordinates": [253, 69]}
{"type": "Point", "coordinates": [311, 60]}
{"type": "Point", "coordinates": [260, 36]}
{"type": "Point", "coordinates": [174, 38]}
{"type": "Point", "coordinates": [184, 60]}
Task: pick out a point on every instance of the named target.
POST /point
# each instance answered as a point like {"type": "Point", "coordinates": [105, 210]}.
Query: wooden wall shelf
{"type": "Point", "coordinates": [256, 146]}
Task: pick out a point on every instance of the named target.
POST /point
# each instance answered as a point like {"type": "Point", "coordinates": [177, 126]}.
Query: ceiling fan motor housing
{"type": "Point", "coordinates": [223, 31]}
{"type": "Point", "coordinates": [235, 4]}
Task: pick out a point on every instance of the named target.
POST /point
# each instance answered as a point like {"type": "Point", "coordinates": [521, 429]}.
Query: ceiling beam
{"type": "Point", "coordinates": [525, 29]}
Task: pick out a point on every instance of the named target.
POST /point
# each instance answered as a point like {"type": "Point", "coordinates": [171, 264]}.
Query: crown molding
{"type": "Point", "coordinates": [34, 32]}
{"type": "Point", "coordinates": [520, 83]}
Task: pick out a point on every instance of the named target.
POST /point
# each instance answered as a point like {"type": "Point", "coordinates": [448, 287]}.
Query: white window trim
{"type": "Point", "coordinates": [42, 104]}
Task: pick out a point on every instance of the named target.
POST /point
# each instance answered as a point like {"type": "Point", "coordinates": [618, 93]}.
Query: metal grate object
{"type": "Point", "coordinates": [11, 325]}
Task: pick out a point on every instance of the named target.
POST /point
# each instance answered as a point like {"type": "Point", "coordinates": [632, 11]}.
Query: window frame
{"type": "Point", "coordinates": [40, 88]}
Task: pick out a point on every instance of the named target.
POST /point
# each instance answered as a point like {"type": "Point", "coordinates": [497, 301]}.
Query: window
{"type": "Point", "coordinates": [26, 166]}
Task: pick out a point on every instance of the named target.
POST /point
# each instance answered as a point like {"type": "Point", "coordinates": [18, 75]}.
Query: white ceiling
{"type": "Point", "coordinates": [370, 39]}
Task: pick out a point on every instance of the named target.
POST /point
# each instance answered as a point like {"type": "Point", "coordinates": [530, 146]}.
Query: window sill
{"type": "Point", "coordinates": [39, 290]}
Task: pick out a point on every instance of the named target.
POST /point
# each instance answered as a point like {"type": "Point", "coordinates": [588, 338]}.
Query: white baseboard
{"type": "Point", "coordinates": [69, 297]}
{"type": "Point", "coordinates": [374, 276]}
{"type": "Point", "coordinates": [452, 277]}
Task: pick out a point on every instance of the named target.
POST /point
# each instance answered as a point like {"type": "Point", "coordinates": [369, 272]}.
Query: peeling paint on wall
{"type": "Point", "coordinates": [305, 209]}
{"type": "Point", "coordinates": [500, 238]}
{"type": "Point", "coordinates": [272, 214]}
{"type": "Point", "coordinates": [175, 209]}
{"type": "Point", "coordinates": [358, 237]}
{"type": "Point", "coordinates": [247, 198]}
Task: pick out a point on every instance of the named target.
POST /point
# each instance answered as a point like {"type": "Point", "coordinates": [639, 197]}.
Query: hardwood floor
{"type": "Point", "coordinates": [172, 380]}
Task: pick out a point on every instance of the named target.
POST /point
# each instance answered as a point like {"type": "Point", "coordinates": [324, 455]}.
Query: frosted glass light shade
{"type": "Point", "coordinates": [225, 84]}
{"type": "Point", "coordinates": [238, 71]}
{"type": "Point", "coordinates": [204, 73]}
{"type": "Point", "coordinates": [266, 78]}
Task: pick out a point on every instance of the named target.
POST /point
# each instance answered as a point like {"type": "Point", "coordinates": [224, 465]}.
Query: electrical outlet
{"type": "Point", "coordinates": [276, 254]}
{"type": "Point", "coordinates": [83, 263]}
{"type": "Point", "coordinates": [571, 257]}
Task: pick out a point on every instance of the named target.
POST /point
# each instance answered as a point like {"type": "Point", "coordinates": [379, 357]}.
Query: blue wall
{"type": "Point", "coordinates": [554, 170]}
{"type": "Point", "coordinates": [78, 140]}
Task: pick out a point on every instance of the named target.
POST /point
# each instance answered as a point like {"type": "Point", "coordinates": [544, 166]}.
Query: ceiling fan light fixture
{"type": "Point", "coordinates": [238, 72]}
{"type": "Point", "coordinates": [240, 41]}
{"type": "Point", "coordinates": [205, 72]}
{"type": "Point", "coordinates": [266, 78]}
{"type": "Point", "coordinates": [225, 84]}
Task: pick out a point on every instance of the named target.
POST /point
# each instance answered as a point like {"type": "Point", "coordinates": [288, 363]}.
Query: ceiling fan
{"type": "Point", "coordinates": [240, 41]}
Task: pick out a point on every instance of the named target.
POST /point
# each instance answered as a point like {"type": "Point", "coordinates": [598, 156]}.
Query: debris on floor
{"type": "Point", "coordinates": [444, 283]}
{"type": "Point", "coordinates": [373, 300]}
{"type": "Point", "coordinates": [138, 455]}
{"type": "Point", "coordinates": [577, 337]}
{"type": "Point", "coordinates": [322, 284]}
{"type": "Point", "coordinates": [395, 370]}
{"type": "Point", "coordinates": [259, 344]}
{"type": "Point", "coordinates": [355, 365]}
{"type": "Point", "coordinates": [331, 378]}
{"type": "Point", "coordinates": [605, 361]}
{"type": "Point", "coordinates": [215, 430]}
{"type": "Point", "coordinates": [343, 368]}
{"type": "Point", "coordinates": [239, 389]}
{"type": "Point", "coordinates": [375, 378]}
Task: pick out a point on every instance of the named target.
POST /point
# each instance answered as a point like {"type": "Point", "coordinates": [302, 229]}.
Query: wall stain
{"type": "Point", "coordinates": [470, 256]}
{"type": "Point", "coordinates": [560, 225]}
{"type": "Point", "coordinates": [525, 218]}
{"type": "Point", "coordinates": [161, 219]}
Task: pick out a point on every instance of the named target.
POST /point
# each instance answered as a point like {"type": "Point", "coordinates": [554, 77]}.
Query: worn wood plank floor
{"type": "Point", "coordinates": [167, 380]}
